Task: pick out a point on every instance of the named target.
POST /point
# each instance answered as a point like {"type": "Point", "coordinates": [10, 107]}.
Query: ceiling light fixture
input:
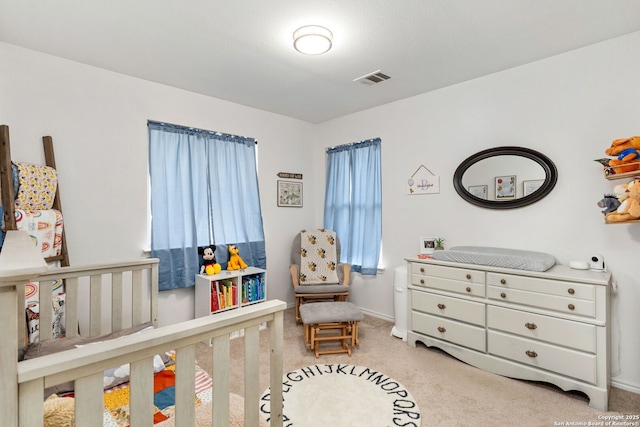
{"type": "Point", "coordinates": [312, 40]}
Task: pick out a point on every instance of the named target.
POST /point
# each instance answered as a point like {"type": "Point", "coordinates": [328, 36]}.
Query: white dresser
{"type": "Point", "coordinates": [547, 326]}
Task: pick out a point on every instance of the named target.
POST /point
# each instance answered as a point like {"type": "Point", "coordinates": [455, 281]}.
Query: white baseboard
{"type": "Point", "coordinates": [624, 386]}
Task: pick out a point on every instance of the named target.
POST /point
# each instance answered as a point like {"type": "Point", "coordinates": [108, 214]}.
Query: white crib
{"type": "Point", "coordinates": [22, 384]}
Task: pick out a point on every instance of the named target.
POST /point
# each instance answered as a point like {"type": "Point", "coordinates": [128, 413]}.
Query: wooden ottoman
{"type": "Point", "coordinates": [341, 317]}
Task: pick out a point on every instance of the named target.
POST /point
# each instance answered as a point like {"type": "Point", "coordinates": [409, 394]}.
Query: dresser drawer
{"type": "Point", "coordinates": [452, 308]}
{"type": "Point", "coordinates": [548, 302]}
{"type": "Point", "coordinates": [462, 274]}
{"type": "Point", "coordinates": [576, 335]}
{"type": "Point", "coordinates": [564, 361]}
{"type": "Point", "coordinates": [449, 330]}
{"type": "Point", "coordinates": [544, 286]}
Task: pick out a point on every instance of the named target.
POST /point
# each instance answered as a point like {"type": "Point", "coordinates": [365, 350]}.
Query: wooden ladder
{"type": "Point", "coordinates": [6, 186]}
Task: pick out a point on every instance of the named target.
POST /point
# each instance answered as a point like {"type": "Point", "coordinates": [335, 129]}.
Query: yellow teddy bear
{"type": "Point", "coordinates": [235, 262]}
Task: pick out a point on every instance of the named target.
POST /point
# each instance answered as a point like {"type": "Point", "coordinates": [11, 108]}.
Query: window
{"type": "Point", "coordinates": [204, 191]}
{"type": "Point", "coordinates": [353, 202]}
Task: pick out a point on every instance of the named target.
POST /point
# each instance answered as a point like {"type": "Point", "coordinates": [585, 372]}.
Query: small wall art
{"type": "Point", "coordinates": [289, 194]}
{"type": "Point", "coordinates": [530, 186]}
{"type": "Point", "coordinates": [480, 191]}
{"type": "Point", "coordinates": [423, 181]}
{"type": "Point", "coordinates": [505, 187]}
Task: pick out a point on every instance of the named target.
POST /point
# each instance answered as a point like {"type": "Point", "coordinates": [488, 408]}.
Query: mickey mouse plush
{"type": "Point", "coordinates": [209, 264]}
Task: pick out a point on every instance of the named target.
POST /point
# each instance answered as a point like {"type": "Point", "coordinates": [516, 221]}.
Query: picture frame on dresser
{"type": "Point", "coordinates": [427, 245]}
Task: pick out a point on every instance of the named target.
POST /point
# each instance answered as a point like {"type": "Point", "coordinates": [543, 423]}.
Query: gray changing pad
{"type": "Point", "coordinates": [498, 257]}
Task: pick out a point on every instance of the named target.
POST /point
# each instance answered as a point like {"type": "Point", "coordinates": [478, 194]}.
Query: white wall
{"type": "Point", "coordinates": [568, 107]}
{"type": "Point", "coordinates": [98, 118]}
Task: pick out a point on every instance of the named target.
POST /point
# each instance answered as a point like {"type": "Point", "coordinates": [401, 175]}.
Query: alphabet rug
{"type": "Point", "coordinates": [340, 395]}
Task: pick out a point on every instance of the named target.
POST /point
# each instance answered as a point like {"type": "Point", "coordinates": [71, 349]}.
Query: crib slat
{"type": "Point", "coordinates": [23, 335]}
{"type": "Point", "coordinates": [95, 305]}
{"type": "Point", "coordinates": [136, 297]}
{"type": "Point", "coordinates": [276, 363]}
{"type": "Point", "coordinates": [10, 300]}
{"type": "Point", "coordinates": [89, 401]}
{"type": "Point", "coordinates": [71, 306]}
{"type": "Point", "coordinates": [116, 301]}
{"type": "Point", "coordinates": [185, 385]}
{"type": "Point", "coordinates": [31, 412]}
{"type": "Point", "coordinates": [221, 359]}
{"type": "Point", "coordinates": [141, 403]}
{"type": "Point", "coordinates": [154, 294]}
{"type": "Point", "coordinates": [46, 307]}
{"type": "Point", "coordinates": [251, 376]}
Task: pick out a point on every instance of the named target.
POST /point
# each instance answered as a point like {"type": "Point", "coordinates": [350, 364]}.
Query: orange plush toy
{"type": "Point", "coordinates": [235, 262]}
{"type": "Point", "coordinates": [619, 145]}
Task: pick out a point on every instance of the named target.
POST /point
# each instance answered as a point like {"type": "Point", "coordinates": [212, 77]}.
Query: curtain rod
{"type": "Point", "coordinates": [353, 143]}
{"type": "Point", "coordinates": [199, 130]}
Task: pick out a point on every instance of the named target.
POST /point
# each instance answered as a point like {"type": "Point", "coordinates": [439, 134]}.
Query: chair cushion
{"type": "Point", "coordinates": [329, 312]}
{"type": "Point", "coordinates": [321, 289]}
{"type": "Point", "coordinates": [318, 256]}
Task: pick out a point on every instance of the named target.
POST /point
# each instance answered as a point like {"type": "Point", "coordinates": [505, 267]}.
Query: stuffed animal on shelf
{"type": "Point", "coordinates": [609, 202]}
{"type": "Point", "coordinates": [619, 145]}
{"type": "Point", "coordinates": [628, 160]}
{"type": "Point", "coordinates": [629, 209]}
{"type": "Point", "coordinates": [235, 262]}
{"type": "Point", "coordinates": [59, 411]}
{"type": "Point", "coordinates": [209, 264]}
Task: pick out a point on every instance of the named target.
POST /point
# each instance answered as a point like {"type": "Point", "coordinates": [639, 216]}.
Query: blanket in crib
{"type": "Point", "coordinates": [116, 400]}
{"type": "Point", "coordinates": [318, 257]}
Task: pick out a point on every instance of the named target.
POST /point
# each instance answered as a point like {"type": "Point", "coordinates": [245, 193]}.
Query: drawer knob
{"type": "Point", "coordinates": [468, 276]}
{"type": "Point", "coordinates": [442, 306]}
{"type": "Point", "coordinates": [531, 353]}
{"type": "Point", "coordinates": [422, 281]}
{"type": "Point", "coordinates": [571, 307]}
{"type": "Point", "coordinates": [571, 291]}
{"type": "Point", "coordinates": [531, 326]}
{"type": "Point", "coordinates": [503, 282]}
{"type": "Point", "coordinates": [503, 295]}
{"type": "Point", "coordinates": [468, 289]}
{"type": "Point", "coordinates": [421, 269]}
{"type": "Point", "coordinates": [441, 329]}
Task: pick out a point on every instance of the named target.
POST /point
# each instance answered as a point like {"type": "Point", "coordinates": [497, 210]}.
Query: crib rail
{"type": "Point", "coordinates": [86, 365]}
{"type": "Point", "coordinates": [142, 300]}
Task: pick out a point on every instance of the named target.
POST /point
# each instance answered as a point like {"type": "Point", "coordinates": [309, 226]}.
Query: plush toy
{"type": "Point", "coordinates": [209, 264]}
{"type": "Point", "coordinates": [59, 411]}
{"type": "Point", "coordinates": [619, 145]}
{"type": "Point", "coordinates": [628, 160]}
{"type": "Point", "coordinates": [235, 262]}
{"type": "Point", "coordinates": [609, 202]}
{"type": "Point", "coordinates": [629, 209]}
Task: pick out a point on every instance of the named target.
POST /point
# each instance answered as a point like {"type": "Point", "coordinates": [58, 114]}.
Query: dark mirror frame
{"type": "Point", "coordinates": [550, 172]}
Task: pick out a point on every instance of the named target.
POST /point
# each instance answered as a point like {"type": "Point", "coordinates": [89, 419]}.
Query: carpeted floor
{"type": "Point", "coordinates": [448, 392]}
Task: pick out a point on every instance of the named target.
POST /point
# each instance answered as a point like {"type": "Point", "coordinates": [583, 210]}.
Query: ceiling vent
{"type": "Point", "coordinates": [372, 78]}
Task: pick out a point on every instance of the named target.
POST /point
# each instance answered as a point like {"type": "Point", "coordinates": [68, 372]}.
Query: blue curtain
{"type": "Point", "coordinates": [204, 191]}
{"type": "Point", "coordinates": [353, 202]}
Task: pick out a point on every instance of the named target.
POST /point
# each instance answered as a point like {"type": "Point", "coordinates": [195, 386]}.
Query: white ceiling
{"type": "Point", "coordinates": [241, 50]}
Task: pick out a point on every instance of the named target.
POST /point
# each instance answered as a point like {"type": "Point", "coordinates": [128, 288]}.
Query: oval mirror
{"type": "Point", "coordinates": [505, 177]}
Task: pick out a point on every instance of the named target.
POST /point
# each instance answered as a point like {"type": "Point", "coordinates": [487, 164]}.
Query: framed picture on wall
{"type": "Point", "coordinates": [530, 186]}
{"type": "Point", "coordinates": [427, 245]}
{"type": "Point", "coordinates": [480, 191]}
{"type": "Point", "coordinates": [289, 194]}
{"type": "Point", "coordinates": [505, 187]}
